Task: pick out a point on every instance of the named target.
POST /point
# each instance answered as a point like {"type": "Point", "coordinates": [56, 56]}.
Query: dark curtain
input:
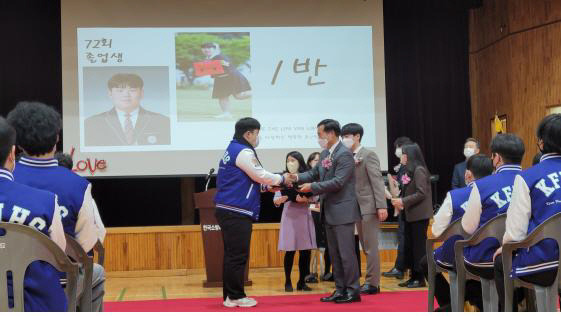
{"type": "Point", "coordinates": [427, 81]}
{"type": "Point", "coordinates": [427, 94]}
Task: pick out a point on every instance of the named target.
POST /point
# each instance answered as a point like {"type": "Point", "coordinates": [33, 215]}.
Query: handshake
{"type": "Point", "coordinates": [291, 178]}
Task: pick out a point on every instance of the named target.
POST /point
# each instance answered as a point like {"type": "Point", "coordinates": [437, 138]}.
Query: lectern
{"type": "Point", "coordinates": [213, 244]}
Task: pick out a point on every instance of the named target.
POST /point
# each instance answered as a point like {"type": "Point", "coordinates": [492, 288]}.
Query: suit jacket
{"type": "Point", "coordinates": [458, 177]}
{"type": "Point", "coordinates": [370, 188]}
{"type": "Point", "coordinates": [335, 186]}
{"type": "Point", "coordinates": [417, 198]}
{"type": "Point", "coordinates": [105, 129]}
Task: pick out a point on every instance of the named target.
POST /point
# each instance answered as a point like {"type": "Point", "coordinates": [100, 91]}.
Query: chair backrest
{"type": "Point", "coordinates": [100, 252]}
{"type": "Point", "coordinates": [550, 228]}
{"type": "Point", "coordinates": [20, 246]}
{"type": "Point", "coordinates": [494, 228]}
{"type": "Point", "coordinates": [455, 228]}
{"type": "Point", "coordinates": [75, 251]}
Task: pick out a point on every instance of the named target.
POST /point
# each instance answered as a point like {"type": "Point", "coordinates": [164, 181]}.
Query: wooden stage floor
{"type": "Point", "coordinates": [175, 284]}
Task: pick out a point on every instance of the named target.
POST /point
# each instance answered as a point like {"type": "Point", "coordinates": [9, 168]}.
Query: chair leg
{"type": "Point", "coordinates": [546, 298]}
{"type": "Point", "coordinates": [453, 277]}
{"type": "Point", "coordinates": [431, 282]}
{"type": "Point", "coordinates": [509, 294]}
{"type": "Point", "coordinates": [490, 296]}
{"type": "Point", "coordinates": [460, 293]}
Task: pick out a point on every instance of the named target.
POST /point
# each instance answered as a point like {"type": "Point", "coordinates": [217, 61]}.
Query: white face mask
{"type": "Point", "coordinates": [292, 166]}
{"type": "Point", "coordinates": [322, 143]}
{"type": "Point", "coordinates": [398, 152]}
{"type": "Point", "coordinates": [257, 141]}
{"type": "Point", "coordinates": [348, 142]}
{"type": "Point", "coordinates": [468, 152]}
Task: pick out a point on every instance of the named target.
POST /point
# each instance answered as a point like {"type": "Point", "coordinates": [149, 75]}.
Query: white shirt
{"type": "Point", "coordinates": [89, 227]}
{"type": "Point", "coordinates": [357, 150]}
{"type": "Point", "coordinates": [247, 161]}
{"type": "Point", "coordinates": [472, 216]}
{"type": "Point", "coordinates": [443, 217]}
{"type": "Point", "coordinates": [122, 117]}
{"type": "Point", "coordinates": [332, 148]}
{"type": "Point", "coordinates": [519, 212]}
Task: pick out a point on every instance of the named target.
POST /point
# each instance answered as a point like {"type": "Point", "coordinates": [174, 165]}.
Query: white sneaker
{"type": "Point", "coordinates": [242, 302]}
{"type": "Point", "coordinates": [225, 115]}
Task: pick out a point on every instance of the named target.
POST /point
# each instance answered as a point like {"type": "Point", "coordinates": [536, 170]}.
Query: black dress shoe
{"type": "Point", "coordinates": [416, 284]}
{"type": "Point", "coordinates": [369, 289]}
{"type": "Point", "coordinates": [394, 273]}
{"type": "Point", "coordinates": [406, 283]}
{"type": "Point", "coordinates": [348, 298]}
{"type": "Point", "coordinates": [288, 288]}
{"type": "Point", "coordinates": [301, 286]}
{"type": "Point", "coordinates": [312, 278]}
{"type": "Point", "coordinates": [334, 296]}
{"type": "Point", "coordinates": [328, 277]}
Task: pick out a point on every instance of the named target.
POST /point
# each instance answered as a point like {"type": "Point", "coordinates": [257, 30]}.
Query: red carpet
{"type": "Point", "coordinates": [415, 301]}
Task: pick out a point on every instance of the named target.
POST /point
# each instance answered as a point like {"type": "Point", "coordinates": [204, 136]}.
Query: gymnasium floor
{"type": "Point", "coordinates": [176, 284]}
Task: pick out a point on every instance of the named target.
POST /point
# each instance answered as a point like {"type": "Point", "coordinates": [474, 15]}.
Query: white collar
{"type": "Point", "coordinates": [123, 113]}
{"type": "Point", "coordinates": [332, 149]}
{"type": "Point", "coordinates": [357, 150]}
{"type": "Point", "coordinates": [5, 173]}
{"type": "Point", "coordinates": [549, 156]}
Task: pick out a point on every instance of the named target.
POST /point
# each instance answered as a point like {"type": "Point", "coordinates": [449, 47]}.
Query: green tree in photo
{"type": "Point", "coordinates": [188, 47]}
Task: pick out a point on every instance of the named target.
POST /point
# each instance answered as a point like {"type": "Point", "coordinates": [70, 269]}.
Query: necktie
{"type": "Point", "coordinates": [129, 131]}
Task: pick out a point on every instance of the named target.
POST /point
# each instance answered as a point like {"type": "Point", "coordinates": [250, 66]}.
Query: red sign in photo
{"type": "Point", "coordinates": [208, 67]}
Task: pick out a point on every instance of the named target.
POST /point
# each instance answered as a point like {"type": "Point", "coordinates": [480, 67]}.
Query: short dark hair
{"type": "Point", "coordinates": [352, 129]}
{"type": "Point", "coordinates": [311, 157]}
{"type": "Point", "coordinates": [37, 127]}
{"type": "Point", "coordinates": [549, 131]}
{"type": "Point", "coordinates": [330, 125]}
{"type": "Point", "coordinates": [64, 160]}
{"type": "Point", "coordinates": [244, 125]}
{"type": "Point", "coordinates": [208, 45]}
{"type": "Point", "coordinates": [471, 139]}
{"type": "Point", "coordinates": [415, 157]}
{"type": "Point", "coordinates": [509, 146]}
{"type": "Point", "coordinates": [302, 166]}
{"type": "Point", "coordinates": [125, 80]}
{"type": "Point", "coordinates": [400, 141]}
{"type": "Point", "coordinates": [537, 158]}
{"type": "Point", "coordinates": [480, 165]}
{"type": "Point", "coordinates": [7, 140]}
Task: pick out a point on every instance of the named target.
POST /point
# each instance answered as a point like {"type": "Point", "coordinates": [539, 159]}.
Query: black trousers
{"type": "Point", "coordinates": [303, 265]}
{"type": "Point", "coordinates": [544, 278]}
{"type": "Point", "coordinates": [400, 261]}
{"type": "Point", "coordinates": [442, 288]}
{"type": "Point", "coordinates": [415, 246]}
{"type": "Point", "coordinates": [236, 233]}
{"type": "Point", "coordinates": [357, 250]}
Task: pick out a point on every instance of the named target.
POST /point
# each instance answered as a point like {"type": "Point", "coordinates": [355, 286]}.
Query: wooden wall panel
{"type": "Point", "coordinates": [488, 24]}
{"type": "Point", "coordinates": [525, 14]}
{"type": "Point", "coordinates": [491, 72]}
{"type": "Point", "coordinates": [519, 75]}
{"type": "Point", "coordinates": [181, 247]}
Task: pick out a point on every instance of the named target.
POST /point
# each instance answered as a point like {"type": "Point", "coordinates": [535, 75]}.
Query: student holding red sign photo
{"type": "Point", "coordinates": [228, 81]}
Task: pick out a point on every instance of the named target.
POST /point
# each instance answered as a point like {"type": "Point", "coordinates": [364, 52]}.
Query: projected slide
{"type": "Point", "coordinates": [182, 89]}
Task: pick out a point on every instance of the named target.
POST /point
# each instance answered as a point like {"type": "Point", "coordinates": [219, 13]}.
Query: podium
{"type": "Point", "coordinates": [213, 245]}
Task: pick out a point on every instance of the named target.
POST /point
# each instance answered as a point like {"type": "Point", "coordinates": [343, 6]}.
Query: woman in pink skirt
{"type": "Point", "coordinates": [297, 231]}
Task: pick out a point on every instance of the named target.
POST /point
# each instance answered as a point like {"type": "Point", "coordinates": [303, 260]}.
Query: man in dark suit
{"type": "Point", "coordinates": [127, 123]}
{"type": "Point", "coordinates": [333, 179]}
{"type": "Point", "coordinates": [471, 147]}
